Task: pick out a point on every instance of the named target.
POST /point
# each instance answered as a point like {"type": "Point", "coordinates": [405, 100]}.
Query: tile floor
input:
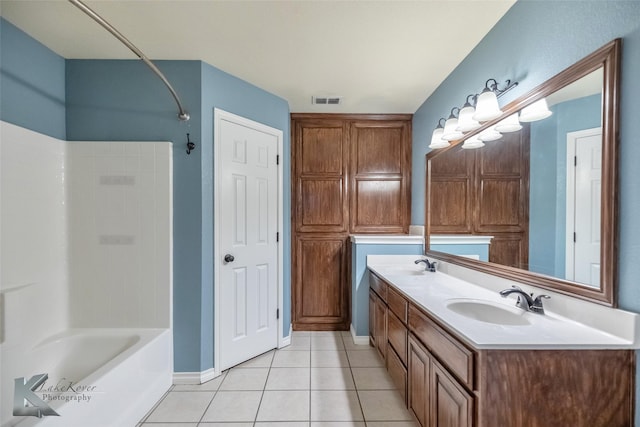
{"type": "Point", "coordinates": [322, 379]}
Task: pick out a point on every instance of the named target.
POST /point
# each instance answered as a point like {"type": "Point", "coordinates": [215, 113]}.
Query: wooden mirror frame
{"type": "Point", "coordinates": [607, 57]}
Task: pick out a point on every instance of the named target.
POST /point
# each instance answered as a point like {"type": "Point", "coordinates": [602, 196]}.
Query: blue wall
{"type": "Point", "coordinates": [534, 41]}
{"type": "Point", "coordinates": [122, 100]}
{"type": "Point", "coordinates": [548, 180]}
{"type": "Point", "coordinates": [32, 83]}
{"type": "Point", "coordinates": [360, 278]}
{"type": "Point", "coordinates": [222, 90]}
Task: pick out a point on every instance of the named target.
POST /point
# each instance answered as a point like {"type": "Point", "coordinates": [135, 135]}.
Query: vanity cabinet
{"type": "Point", "coordinates": [388, 331]}
{"type": "Point", "coordinates": [448, 382]}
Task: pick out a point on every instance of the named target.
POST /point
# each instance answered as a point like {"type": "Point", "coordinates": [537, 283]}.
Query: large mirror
{"type": "Point", "coordinates": [538, 204]}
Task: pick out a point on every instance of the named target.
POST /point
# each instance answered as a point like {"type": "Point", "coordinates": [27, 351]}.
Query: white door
{"type": "Point", "coordinates": [583, 224]}
{"type": "Point", "coordinates": [247, 241]}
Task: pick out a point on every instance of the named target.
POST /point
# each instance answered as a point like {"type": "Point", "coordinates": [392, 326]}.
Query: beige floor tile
{"type": "Point", "coordinates": [327, 343]}
{"type": "Point", "coordinates": [383, 405]}
{"type": "Point", "coordinates": [170, 425]}
{"type": "Point", "coordinates": [337, 424]}
{"type": "Point", "coordinates": [288, 379]}
{"type": "Point", "coordinates": [221, 425]}
{"type": "Point", "coordinates": [331, 379]}
{"type": "Point", "coordinates": [211, 385]}
{"type": "Point", "coordinates": [232, 406]}
{"type": "Point", "coordinates": [291, 359]}
{"type": "Point", "coordinates": [335, 405]}
{"type": "Point", "coordinates": [298, 343]}
{"type": "Point", "coordinates": [329, 359]}
{"type": "Point", "coordinates": [181, 406]}
{"type": "Point", "coordinates": [262, 361]}
{"type": "Point", "coordinates": [284, 406]}
{"type": "Point", "coordinates": [301, 334]}
{"type": "Point", "coordinates": [350, 345]}
{"type": "Point", "coordinates": [283, 424]}
{"type": "Point", "coordinates": [364, 359]}
{"type": "Point", "coordinates": [245, 379]}
{"type": "Point", "coordinates": [372, 379]}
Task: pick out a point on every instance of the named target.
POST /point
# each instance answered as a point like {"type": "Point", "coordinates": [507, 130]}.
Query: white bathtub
{"type": "Point", "coordinates": [117, 375]}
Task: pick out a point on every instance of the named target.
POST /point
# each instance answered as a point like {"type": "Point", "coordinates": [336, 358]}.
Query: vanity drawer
{"type": "Point", "coordinates": [397, 336]}
{"type": "Point", "coordinates": [378, 285]}
{"type": "Point", "coordinates": [455, 356]}
{"type": "Point", "coordinates": [397, 304]}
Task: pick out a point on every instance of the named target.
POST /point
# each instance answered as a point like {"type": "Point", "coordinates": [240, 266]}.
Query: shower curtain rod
{"type": "Point", "coordinates": [182, 114]}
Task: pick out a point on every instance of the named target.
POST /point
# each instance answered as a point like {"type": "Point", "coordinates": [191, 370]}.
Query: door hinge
{"type": "Point", "coordinates": [277, 159]}
{"type": "Point", "coordinates": [277, 313]}
{"type": "Point", "coordinates": [277, 236]}
{"type": "Point", "coordinates": [575, 160]}
{"type": "Point", "coordinates": [574, 237]}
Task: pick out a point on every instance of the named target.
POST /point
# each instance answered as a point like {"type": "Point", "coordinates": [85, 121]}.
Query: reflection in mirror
{"type": "Point", "coordinates": [564, 184]}
{"type": "Point", "coordinates": [544, 191]}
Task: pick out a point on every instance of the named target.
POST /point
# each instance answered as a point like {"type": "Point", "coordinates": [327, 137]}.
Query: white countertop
{"type": "Point", "coordinates": [434, 291]}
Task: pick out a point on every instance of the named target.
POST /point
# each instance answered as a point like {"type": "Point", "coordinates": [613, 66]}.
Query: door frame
{"type": "Point", "coordinates": [218, 116]}
{"type": "Point", "coordinates": [570, 196]}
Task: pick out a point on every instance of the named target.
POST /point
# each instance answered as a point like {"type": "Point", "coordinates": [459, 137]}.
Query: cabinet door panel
{"type": "Point", "coordinates": [322, 204]}
{"type": "Point", "coordinates": [380, 326]}
{"type": "Point", "coordinates": [419, 374]}
{"type": "Point", "coordinates": [321, 293]}
{"type": "Point", "coordinates": [380, 176]}
{"type": "Point", "coordinates": [320, 165]}
{"type": "Point", "coordinates": [397, 372]}
{"type": "Point", "coordinates": [451, 404]}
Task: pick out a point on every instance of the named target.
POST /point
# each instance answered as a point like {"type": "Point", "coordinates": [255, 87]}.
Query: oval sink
{"type": "Point", "coordinates": [490, 312]}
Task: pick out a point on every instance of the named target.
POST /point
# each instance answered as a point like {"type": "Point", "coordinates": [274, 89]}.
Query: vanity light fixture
{"type": "Point", "coordinates": [487, 107]}
{"type": "Point", "coordinates": [510, 124]}
{"type": "Point", "coordinates": [473, 143]}
{"type": "Point", "coordinates": [536, 111]}
{"type": "Point", "coordinates": [489, 134]}
{"type": "Point", "coordinates": [476, 109]}
{"type": "Point", "coordinates": [465, 117]}
{"type": "Point", "coordinates": [450, 132]}
{"type": "Point", "coordinates": [436, 137]}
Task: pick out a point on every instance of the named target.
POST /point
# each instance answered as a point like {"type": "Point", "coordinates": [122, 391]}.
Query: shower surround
{"type": "Point", "coordinates": [85, 265]}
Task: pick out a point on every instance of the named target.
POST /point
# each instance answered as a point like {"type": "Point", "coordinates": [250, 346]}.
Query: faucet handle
{"type": "Point", "coordinates": [538, 299]}
{"type": "Point", "coordinates": [537, 307]}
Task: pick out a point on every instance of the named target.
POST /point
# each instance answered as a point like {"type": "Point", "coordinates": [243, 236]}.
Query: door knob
{"type": "Point", "coordinates": [228, 258]}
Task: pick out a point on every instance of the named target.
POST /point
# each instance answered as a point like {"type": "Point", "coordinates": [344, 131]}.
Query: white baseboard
{"type": "Point", "coordinates": [195, 377]}
{"type": "Point", "coordinates": [285, 341]}
{"type": "Point", "coordinates": [358, 340]}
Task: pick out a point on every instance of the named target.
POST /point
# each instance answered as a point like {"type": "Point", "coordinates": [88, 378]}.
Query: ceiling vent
{"type": "Point", "coordinates": [326, 100]}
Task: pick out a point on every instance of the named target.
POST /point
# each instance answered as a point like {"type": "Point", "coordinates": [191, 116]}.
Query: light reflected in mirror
{"type": "Point", "coordinates": [545, 193]}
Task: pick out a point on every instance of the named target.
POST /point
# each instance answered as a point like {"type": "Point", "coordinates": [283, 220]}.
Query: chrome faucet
{"type": "Point", "coordinates": [526, 301]}
{"type": "Point", "coordinates": [428, 266]}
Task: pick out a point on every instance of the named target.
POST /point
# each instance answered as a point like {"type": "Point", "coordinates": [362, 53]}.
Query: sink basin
{"type": "Point", "coordinates": [488, 311]}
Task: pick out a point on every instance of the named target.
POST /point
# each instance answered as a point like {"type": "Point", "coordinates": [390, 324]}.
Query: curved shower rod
{"type": "Point", "coordinates": [182, 114]}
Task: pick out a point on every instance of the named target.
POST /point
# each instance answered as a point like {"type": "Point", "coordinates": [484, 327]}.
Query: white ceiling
{"type": "Point", "coordinates": [380, 56]}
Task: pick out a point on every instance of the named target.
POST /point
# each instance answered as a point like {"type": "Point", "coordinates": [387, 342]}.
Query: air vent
{"type": "Point", "coordinates": [326, 100]}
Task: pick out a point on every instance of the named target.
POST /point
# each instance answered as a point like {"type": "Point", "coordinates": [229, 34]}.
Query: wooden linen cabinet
{"type": "Point", "coordinates": [350, 174]}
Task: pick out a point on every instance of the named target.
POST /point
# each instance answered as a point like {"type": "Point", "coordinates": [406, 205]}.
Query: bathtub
{"type": "Point", "coordinates": [96, 377]}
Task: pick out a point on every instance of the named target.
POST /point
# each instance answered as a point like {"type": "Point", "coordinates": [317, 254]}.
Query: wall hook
{"type": "Point", "coordinates": [190, 145]}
